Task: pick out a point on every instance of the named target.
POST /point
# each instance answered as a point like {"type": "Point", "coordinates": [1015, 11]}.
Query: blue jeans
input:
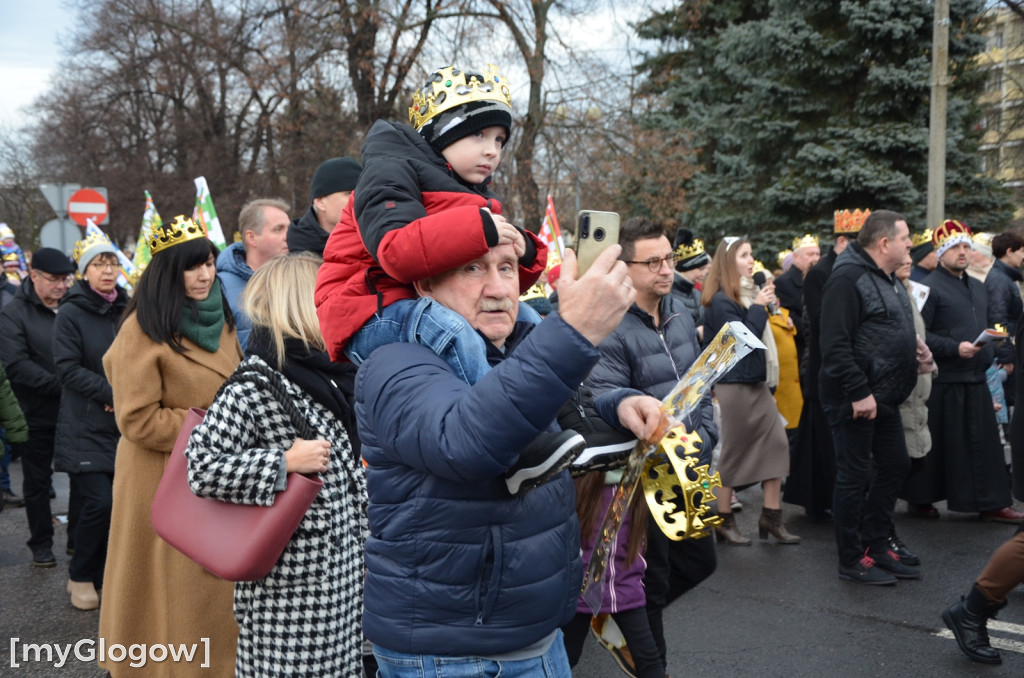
{"type": "Point", "coordinates": [552, 664]}
{"type": "Point", "coordinates": [425, 322]}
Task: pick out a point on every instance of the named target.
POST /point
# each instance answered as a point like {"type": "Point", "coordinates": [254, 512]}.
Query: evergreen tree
{"type": "Point", "coordinates": [801, 107]}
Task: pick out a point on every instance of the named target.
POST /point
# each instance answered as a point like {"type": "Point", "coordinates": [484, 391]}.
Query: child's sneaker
{"type": "Point", "coordinates": [543, 458]}
{"type": "Point", "coordinates": [610, 637]}
{"type": "Point", "coordinates": [608, 448]}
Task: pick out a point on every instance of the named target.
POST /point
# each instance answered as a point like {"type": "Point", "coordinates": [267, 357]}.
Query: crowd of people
{"type": "Point", "coordinates": [470, 439]}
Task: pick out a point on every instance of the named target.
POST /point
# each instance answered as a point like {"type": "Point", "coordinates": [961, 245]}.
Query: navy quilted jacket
{"type": "Point", "coordinates": [455, 564]}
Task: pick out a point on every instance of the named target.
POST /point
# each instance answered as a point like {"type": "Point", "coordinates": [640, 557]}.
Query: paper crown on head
{"type": "Point", "coordinates": [782, 256]}
{"type": "Point", "coordinates": [451, 87]}
{"type": "Point", "coordinates": [758, 266]}
{"type": "Point", "coordinates": [91, 246]}
{"type": "Point", "coordinates": [807, 240]}
{"type": "Point", "coordinates": [179, 231]}
{"type": "Point", "coordinates": [11, 259]}
{"type": "Point", "coordinates": [983, 242]}
{"type": "Point", "coordinates": [848, 223]}
{"type": "Point", "coordinates": [921, 238]}
{"type": "Point", "coordinates": [690, 251]}
{"type": "Point", "coordinates": [950, 233]}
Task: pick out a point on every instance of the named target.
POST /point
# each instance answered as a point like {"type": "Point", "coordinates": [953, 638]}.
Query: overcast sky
{"type": "Point", "coordinates": [29, 51]}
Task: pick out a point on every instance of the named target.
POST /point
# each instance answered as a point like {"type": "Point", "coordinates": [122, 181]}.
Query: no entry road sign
{"type": "Point", "coordinates": [86, 204]}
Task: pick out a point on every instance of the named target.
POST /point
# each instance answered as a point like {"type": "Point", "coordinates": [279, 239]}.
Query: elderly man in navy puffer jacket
{"type": "Point", "coordinates": [462, 575]}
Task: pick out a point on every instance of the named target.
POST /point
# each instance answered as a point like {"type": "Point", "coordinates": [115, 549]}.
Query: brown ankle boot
{"type": "Point", "coordinates": [728, 532]}
{"type": "Point", "coordinates": [771, 521]}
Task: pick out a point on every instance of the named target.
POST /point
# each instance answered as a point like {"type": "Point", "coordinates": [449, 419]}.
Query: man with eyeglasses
{"type": "Point", "coordinates": [649, 351]}
{"type": "Point", "coordinates": [26, 349]}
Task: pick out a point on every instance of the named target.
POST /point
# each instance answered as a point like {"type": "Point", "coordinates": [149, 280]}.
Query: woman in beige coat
{"type": "Point", "coordinates": [175, 347]}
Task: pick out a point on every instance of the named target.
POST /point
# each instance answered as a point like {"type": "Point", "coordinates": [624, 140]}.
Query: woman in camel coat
{"type": "Point", "coordinates": [174, 349]}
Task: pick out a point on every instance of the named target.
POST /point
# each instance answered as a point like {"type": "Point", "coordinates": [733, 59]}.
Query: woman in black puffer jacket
{"type": "Point", "coordinates": [87, 434]}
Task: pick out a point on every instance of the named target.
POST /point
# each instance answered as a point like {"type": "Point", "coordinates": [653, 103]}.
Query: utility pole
{"type": "Point", "coordinates": [937, 123]}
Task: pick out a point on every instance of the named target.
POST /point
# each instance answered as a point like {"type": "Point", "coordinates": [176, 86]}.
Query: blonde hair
{"type": "Point", "coordinates": [279, 299]}
{"type": "Point", "coordinates": [723, 275]}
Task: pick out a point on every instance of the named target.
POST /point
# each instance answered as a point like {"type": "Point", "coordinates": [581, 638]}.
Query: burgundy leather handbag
{"type": "Point", "coordinates": [237, 542]}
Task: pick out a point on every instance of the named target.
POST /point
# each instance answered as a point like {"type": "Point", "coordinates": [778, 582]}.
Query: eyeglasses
{"type": "Point", "coordinates": [103, 266]}
{"type": "Point", "coordinates": [68, 279]}
{"type": "Point", "coordinates": [654, 264]}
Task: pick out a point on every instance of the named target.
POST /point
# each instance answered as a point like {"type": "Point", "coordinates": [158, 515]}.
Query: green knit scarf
{"type": "Point", "coordinates": [205, 329]}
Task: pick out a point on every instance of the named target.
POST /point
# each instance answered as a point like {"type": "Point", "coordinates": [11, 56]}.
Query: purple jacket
{"type": "Point", "coordinates": [624, 589]}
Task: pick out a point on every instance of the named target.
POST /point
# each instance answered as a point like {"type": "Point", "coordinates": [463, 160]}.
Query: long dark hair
{"type": "Point", "coordinates": [160, 299]}
{"type": "Point", "coordinates": [588, 504]}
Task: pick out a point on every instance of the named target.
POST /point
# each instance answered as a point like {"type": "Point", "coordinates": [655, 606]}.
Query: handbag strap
{"type": "Point", "coordinates": [299, 420]}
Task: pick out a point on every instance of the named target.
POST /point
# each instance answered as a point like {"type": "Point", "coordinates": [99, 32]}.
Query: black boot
{"type": "Point", "coordinates": [968, 621]}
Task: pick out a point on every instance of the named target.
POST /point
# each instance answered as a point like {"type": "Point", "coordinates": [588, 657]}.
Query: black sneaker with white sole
{"type": "Point", "coordinates": [607, 449]}
{"type": "Point", "coordinates": [541, 460]}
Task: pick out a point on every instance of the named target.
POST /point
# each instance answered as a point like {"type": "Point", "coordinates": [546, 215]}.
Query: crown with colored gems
{"type": "Point", "coordinates": [807, 240]}
{"type": "Point", "coordinates": [950, 228]}
{"type": "Point", "coordinates": [179, 231]}
{"type": "Point", "coordinates": [921, 238]}
{"type": "Point", "coordinates": [782, 256]}
{"type": "Point", "coordinates": [846, 222]}
{"type": "Point", "coordinates": [90, 241]}
{"type": "Point", "coordinates": [678, 490]}
{"type": "Point", "coordinates": [451, 87]}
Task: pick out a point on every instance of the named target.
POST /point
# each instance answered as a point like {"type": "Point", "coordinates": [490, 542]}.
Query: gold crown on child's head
{"type": "Point", "coordinates": [451, 87]}
{"type": "Point", "coordinates": [179, 231]}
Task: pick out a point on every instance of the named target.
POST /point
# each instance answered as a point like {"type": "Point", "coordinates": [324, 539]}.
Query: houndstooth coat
{"type": "Point", "coordinates": [302, 619]}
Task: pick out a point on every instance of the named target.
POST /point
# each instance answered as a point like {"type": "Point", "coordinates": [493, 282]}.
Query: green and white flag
{"type": "Point", "coordinates": [205, 214]}
{"type": "Point", "coordinates": [150, 220]}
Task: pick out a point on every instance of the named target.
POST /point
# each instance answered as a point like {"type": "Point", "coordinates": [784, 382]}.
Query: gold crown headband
{"type": "Point", "coordinates": [846, 222]}
{"type": "Point", "coordinates": [921, 238]}
{"type": "Point", "coordinates": [90, 241]}
{"type": "Point", "coordinates": [782, 256]}
{"type": "Point", "coordinates": [686, 252]}
{"type": "Point", "coordinates": [807, 240]}
{"type": "Point", "coordinates": [179, 231]}
{"type": "Point", "coordinates": [451, 87]}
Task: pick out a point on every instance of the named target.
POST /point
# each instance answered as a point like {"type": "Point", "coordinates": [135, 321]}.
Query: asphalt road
{"type": "Point", "coordinates": [769, 610]}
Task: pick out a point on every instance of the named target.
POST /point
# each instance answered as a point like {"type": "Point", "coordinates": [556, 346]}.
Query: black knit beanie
{"type": "Point", "coordinates": [684, 239]}
{"type": "Point", "coordinates": [448, 127]}
{"type": "Point", "coordinates": [334, 175]}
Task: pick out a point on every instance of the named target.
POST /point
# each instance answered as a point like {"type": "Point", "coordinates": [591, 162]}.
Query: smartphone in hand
{"type": "Point", "coordinates": [595, 231]}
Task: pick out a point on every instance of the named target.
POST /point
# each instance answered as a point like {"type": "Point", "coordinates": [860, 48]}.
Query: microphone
{"type": "Point", "coordinates": [760, 280]}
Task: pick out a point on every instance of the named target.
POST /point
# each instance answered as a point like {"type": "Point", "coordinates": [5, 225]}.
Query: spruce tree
{"type": "Point", "coordinates": [798, 108]}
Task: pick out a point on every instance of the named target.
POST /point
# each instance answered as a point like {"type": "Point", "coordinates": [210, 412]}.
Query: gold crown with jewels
{"type": "Point", "coordinates": [451, 87]}
{"type": "Point", "coordinates": [846, 222]}
{"type": "Point", "coordinates": [678, 489]}
{"type": "Point", "coordinates": [921, 238]}
{"type": "Point", "coordinates": [178, 231]}
{"type": "Point", "coordinates": [807, 240]}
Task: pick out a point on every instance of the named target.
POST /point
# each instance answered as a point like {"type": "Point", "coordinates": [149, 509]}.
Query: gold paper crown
{"type": "Point", "coordinates": [758, 266]}
{"type": "Point", "coordinates": [921, 238]}
{"type": "Point", "coordinates": [847, 222]}
{"type": "Point", "coordinates": [90, 241]}
{"type": "Point", "coordinates": [807, 240]}
{"type": "Point", "coordinates": [451, 87]}
{"type": "Point", "coordinates": [684, 252]}
{"type": "Point", "coordinates": [678, 490]}
{"type": "Point", "coordinates": [535, 292]}
{"type": "Point", "coordinates": [179, 231]}
{"type": "Point", "coordinates": [782, 256]}
{"type": "Point", "coordinates": [984, 239]}
{"type": "Point", "coordinates": [12, 257]}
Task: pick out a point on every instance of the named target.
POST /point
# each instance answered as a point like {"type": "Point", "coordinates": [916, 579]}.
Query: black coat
{"type": "Point", "coordinates": [1004, 300]}
{"type": "Point", "coordinates": [87, 435]}
{"type": "Point", "coordinates": [752, 368]}
{"type": "Point", "coordinates": [868, 344]}
{"type": "Point", "coordinates": [688, 294]}
{"type": "Point", "coordinates": [956, 310]}
{"type": "Point", "coordinates": [789, 289]}
{"type": "Point", "coordinates": [26, 350]}
{"type": "Point", "coordinates": [306, 234]}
